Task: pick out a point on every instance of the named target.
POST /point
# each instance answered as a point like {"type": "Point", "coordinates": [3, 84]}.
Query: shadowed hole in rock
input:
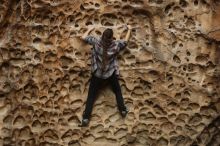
{"type": "Point", "coordinates": [176, 59]}
{"type": "Point", "coordinates": [108, 24]}
{"type": "Point", "coordinates": [167, 126]}
{"type": "Point", "coordinates": [159, 110]}
{"type": "Point", "coordinates": [74, 143]}
{"type": "Point", "coordinates": [170, 86]}
{"type": "Point", "coordinates": [121, 132]}
{"type": "Point", "coordinates": [36, 124]}
{"type": "Point", "coordinates": [194, 106]}
{"type": "Point", "coordinates": [78, 55]}
{"type": "Point", "coordinates": [19, 121]}
{"type": "Point", "coordinates": [132, 45]}
{"type": "Point", "coordinates": [195, 119]}
{"type": "Point", "coordinates": [16, 53]}
{"type": "Point", "coordinates": [186, 93]}
{"type": "Point", "coordinates": [50, 57]}
{"type": "Point", "coordinates": [184, 102]}
{"type": "Point", "coordinates": [117, 6]}
{"type": "Point", "coordinates": [88, 23]}
{"type": "Point", "coordinates": [97, 5]}
{"type": "Point", "coordinates": [73, 120]}
{"type": "Point", "coordinates": [188, 53]}
{"type": "Point", "coordinates": [142, 13]}
{"type": "Point", "coordinates": [183, 3]}
{"type": "Point", "coordinates": [171, 116]}
{"type": "Point", "coordinates": [141, 127]}
{"type": "Point", "coordinates": [147, 117]}
{"type": "Point", "coordinates": [8, 119]}
{"type": "Point", "coordinates": [82, 7]}
{"type": "Point", "coordinates": [153, 75]}
{"type": "Point", "coordinates": [37, 40]}
{"type": "Point", "coordinates": [196, 2]}
{"type": "Point", "coordinates": [181, 45]}
{"type": "Point", "coordinates": [149, 102]}
{"type": "Point", "coordinates": [180, 121]}
{"type": "Point", "coordinates": [163, 119]}
{"type": "Point", "coordinates": [67, 136]}
{"type": "Point", "coordinates": [201, 59]}
{"type": "Point", "coordinates": [156, 1]}
{"type": "Point", "coordinates": [25, 132]}
{"type": "Point", "coordinates": [131, 116]}
{"type": "Point", "coordinates": [162, 141]}
{"type": "Point", "coordinates": [98, 32]}
{"type": "Point", "coordinates": [114, 117]}
{"type": "Point", "coordinates": [138, 90]}
{"type": "Point", "coordinates": [109, 15]}
{"type": "Point", "coordinates": [65, 61]}
{"type": "Point", "coordinates": [89, 138]}
{"type": "Point", "coordinates": [172, 105]}
{"type": "Point", "coordinates": [131, 58]}
{"type": "Point", "coordinates": [190, 22]}
{"type": "Point", "coordinates": [137, 2]}
{"type": "Point", "coordinates": [76, 103]}
{"type": "Point", "coordinates": [177, 9]}
{"type": "Point", "coordinates": [51, 134]}
{"type": "Point", "coordinates": [143, 137]}
{"type": "Point", "coordinates": [168, 8]}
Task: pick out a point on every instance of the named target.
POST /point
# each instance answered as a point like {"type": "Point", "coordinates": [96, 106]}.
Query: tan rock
{"type": "Point", "coordinates": [169, 73]}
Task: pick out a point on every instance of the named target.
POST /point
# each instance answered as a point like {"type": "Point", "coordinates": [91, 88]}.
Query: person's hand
{"type": "Point", "coordinates": [129, 27]}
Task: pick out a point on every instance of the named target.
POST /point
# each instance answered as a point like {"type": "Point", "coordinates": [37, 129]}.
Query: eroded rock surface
{"type": "Point", "coordinates": [169, 73]}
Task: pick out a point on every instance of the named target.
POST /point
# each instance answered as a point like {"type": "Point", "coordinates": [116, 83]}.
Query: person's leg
{"type": "Point", "coordinates": [117, 90]}
{"type": "Point", "coordinates": [93, 88]}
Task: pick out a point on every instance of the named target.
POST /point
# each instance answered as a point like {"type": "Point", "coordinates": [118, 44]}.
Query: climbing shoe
{"type": "Point", "coordinates": [84, 123]}
{"type": "Point", "coordinates": [124, 112]}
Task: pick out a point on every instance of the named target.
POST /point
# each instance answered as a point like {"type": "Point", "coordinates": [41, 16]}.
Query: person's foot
{"type": "Point", "coordinates": [84, 123]}
{"type": "Point", "coordinates": [124, 112]}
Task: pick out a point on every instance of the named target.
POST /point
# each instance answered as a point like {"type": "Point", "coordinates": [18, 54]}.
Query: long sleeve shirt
{"type": "Point", "coordinates": [97, 52]}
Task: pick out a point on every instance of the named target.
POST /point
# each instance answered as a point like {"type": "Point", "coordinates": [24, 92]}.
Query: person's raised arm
{"type": "Point", "coordinates": [128, 33]}
{"type": "Point", "coordinates": [123, 43]}
{"type": "Point", "coordinates": [87, 38]}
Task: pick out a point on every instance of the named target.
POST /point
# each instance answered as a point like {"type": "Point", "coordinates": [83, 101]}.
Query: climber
{"type": "Point", "coordinates": [104, 68]}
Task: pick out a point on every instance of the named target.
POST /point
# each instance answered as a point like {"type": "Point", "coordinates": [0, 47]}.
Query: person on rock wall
{"type": "Point", "coordinates": [104, 68]}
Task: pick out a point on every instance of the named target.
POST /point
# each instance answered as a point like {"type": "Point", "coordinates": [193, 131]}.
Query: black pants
{"type": "Point", "coordinates": [95, 84]}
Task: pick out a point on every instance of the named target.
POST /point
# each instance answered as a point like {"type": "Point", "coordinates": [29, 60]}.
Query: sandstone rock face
{"type": "Point", "coordinates": [169, 73]}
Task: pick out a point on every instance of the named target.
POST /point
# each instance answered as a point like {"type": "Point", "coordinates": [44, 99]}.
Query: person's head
{"type": "Point", "coordinates": [107, 35]}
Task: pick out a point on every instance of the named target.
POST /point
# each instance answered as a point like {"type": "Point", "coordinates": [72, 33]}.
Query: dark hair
{"type": "Point", "coordinates": [107, 35]}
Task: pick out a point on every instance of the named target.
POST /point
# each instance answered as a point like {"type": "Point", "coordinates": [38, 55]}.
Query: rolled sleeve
{"type": "Point", "coordinates": [91, 40]}
{"type": "Point", "coordinates": [122, 44]}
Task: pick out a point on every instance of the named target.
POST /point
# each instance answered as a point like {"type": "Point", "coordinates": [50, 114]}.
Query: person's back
{"type": "Point", "coordinates": [104, 60]}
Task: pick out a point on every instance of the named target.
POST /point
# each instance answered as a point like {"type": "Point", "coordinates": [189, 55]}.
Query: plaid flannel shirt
{"type": "Point", "coordinates": [112, 51]}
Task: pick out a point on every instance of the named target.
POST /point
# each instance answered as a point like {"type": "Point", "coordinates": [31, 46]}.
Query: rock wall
{"type": "Point", "coordinates": [169, 73]}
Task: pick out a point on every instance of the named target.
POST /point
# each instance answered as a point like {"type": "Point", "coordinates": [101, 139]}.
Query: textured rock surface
{"type": "Point", "coordinates": [169, 73]}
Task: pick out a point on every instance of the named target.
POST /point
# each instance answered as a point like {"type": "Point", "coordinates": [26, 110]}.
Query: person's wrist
{"type": "Point", "coordinates": [125, 27]}
{"type": "Point", "coordinates": [129, 27]}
